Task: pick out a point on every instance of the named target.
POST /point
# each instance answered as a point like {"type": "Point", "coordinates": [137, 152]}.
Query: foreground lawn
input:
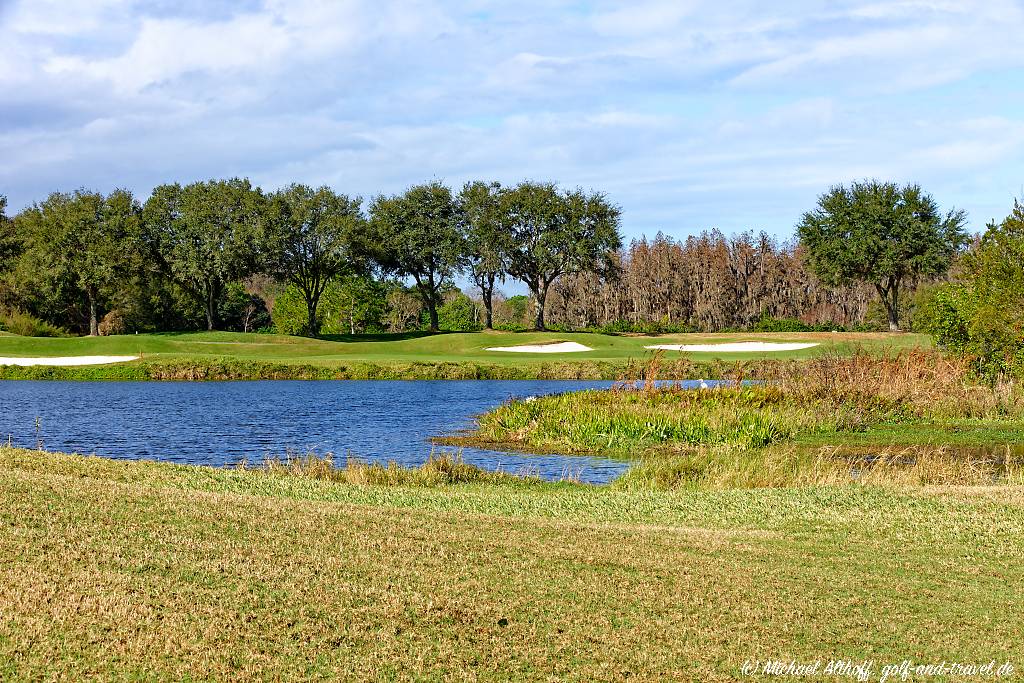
{"type": "Point", "coordinates": [420, 347]}
{"type": "Point", "coordinates": [120, 570]}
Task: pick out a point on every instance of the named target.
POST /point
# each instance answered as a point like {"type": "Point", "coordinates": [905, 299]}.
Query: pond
{"type": "Point", "coordinates": [221, 423]}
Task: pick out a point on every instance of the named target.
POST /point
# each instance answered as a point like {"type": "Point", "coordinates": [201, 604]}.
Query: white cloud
{"type": "Point", "coordinates": [168, 48]}
{"type": "Point", "coordinates": [689, 113]}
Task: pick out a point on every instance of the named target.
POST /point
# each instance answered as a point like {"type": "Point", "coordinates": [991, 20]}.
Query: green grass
{"type": "Point", "coordinates": [398, 355]}
{"type": "Point", "coordinates": [912, 417]}
{"type": "Point", "coordinates": [128, 570]}
{"type": "Point", "coordinates": [627, 421]}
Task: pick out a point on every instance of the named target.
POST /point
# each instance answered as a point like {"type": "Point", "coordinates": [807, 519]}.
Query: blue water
{"type": "Point", "coordinates": [221, 423]}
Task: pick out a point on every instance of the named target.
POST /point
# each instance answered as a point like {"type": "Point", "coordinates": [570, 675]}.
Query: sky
{"type": "Point", "coordinates": [690, 115]}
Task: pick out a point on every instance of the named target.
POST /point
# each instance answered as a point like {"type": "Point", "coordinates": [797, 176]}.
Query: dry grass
{"type": "Point", "coordinates": [930, 383]}
{"type": "Point", "coordinates": [788, 465]}
{"type": "Point", "coordinates": [137, 571]}
{"type": "Point", "coordinates": [742, 434]}
{"type": "Point", "coordinates": [439, 470]}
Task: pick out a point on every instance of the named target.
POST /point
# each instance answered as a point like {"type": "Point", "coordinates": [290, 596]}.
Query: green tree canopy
{"type": "Point", "coordinates": [488, 243]}
{"type": "Point", "coordinates": [207, 235]}
{"type": "Point", "coordinates": [882, 234]}
{"type": "Point", "coordinates": [315, 234]}
{"type": "Point", "coordinates": [551, 233]}
{"type": "Point", "coordinates": [82, 242]}
{"type": "Point", "coordinates": [980, 313]}
{"type": "Point", "coordinates": [420, 234]}
{"type": "Point", "coordinates": [10, 244]}
{"type": "Point", "coordinates": [458, 313]}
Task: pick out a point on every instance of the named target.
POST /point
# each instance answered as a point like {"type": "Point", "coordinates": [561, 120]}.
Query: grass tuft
{"type": "Point", "coordinates": [439, 470]}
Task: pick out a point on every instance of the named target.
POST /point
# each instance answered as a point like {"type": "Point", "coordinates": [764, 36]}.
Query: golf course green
{"type": "Point", "coordinates": [394, 350]}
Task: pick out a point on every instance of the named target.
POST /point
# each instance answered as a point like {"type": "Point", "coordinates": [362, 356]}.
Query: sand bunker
{"type": "Point", "coordinates": [734, 347]}
{"type": "Point", "coordinates": [557, 347]}
{"type": "Point", "coordinates": [67, 360]}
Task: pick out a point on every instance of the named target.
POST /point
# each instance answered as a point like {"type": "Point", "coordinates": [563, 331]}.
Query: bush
{"type": "Point", "coordinates": [510, 327]}
{"type": "Point", "coordinates": [113, 322]}
{"type": "Point", "coordinates": [768, 324]}
{"type": "Point", "coordinates": [27, 325]}
{"type": "Point", "coordinates": [290, 316]}
{"type": "Point", "coordinates": [458, 314]}
{"type": "Point", "coordinates": [980, 315]}
{"type": "Point", "coordinates": [241, 311]}
{"type": "Point", "coordinates": [347, 305]}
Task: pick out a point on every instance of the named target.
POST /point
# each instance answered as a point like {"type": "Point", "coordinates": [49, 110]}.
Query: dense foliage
{"type": "Point", "coordinates": [314, 243]}
{"type": "Point", "coordinates": [881, 234]}
{"type": "Point", "coordinates": [420, 234]}
{"type": "Point", "coordinates": [222, 253]}
{"type": "Point", "coordinates": [552, 233]}
{"type": "Point", "coordinates": [981, 312]}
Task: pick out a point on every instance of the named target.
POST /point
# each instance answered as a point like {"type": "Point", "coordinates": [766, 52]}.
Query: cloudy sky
{"type": "Point", "coordinates": [689, 114]}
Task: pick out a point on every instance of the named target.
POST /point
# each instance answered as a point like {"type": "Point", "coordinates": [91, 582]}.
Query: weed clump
{"type": "Point", "coordinates": [439, 470]}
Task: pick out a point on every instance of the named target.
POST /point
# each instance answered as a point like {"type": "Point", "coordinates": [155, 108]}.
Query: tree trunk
{"type": "Point", "coordinates": [540, 293]}
{"type": "Point", "coordinates": [432, 310]}
{"type": "Point", "coordinates": [890, 299]}
{"type": "Point", "coordinates": [894, 310]}
{"type": "Point", "coordinates": [312, 320]}
{"type": "Point", "coordinates": [488, 296]}
{"type": "Point", "coordinates": [352, 315]}
{"type": "Point", "coordinates": [211, 309]}
{"type": "Point", "coordinates": [94, 323]}
{"type": "Point", "coordinates": [432, 302]}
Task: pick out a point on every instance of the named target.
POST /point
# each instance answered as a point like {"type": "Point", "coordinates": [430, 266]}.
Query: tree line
{"type": "Point", "coordinates": [218, 253]}
{"type": "Point", "coordinates": [75, 255]}
{"type": "Point", "coordinates": [707, 282]}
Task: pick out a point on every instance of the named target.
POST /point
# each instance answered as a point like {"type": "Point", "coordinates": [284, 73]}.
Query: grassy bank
{"type": "Point", "coordinates": [221, 355]}
{"type": "Point", "coordinates": [914, 416]}
{"type": "Point", "coordinates": [150, 571]}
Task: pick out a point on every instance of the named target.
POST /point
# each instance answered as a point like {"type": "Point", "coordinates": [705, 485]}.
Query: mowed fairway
{"type": "Point", "coordinates": [388, 349]}
{"type": "Point", "coordinates": [137, 570]}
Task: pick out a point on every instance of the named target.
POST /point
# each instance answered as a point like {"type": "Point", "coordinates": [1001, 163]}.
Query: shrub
{"type": "Point", "coordinates": [769, 324]}
{"type": "Point", "coordinates": [113, 322]}
{"type": "Point", "coordinates": [241, 311]}
{"type": "Point", "coordinates": [458, 314]}
{"type": "Point", "coordinates": [290, 316]}
{"type": "Point", "coordinates": [980, 315]}
{"type": "Point", "coordinates": [27, 325]}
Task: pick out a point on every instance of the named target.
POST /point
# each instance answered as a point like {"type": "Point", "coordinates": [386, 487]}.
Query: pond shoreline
{"type": "Point", "coordinates": [232, 369]}
{"type": "Point", "coordinates": [225, 423]}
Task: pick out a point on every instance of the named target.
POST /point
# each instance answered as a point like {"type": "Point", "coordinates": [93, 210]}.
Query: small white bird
{"type": "Point", "coordinates": [704, 385]}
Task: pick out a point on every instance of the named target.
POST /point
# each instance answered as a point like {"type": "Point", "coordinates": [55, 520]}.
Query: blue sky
{"type": "Point", "coordinates": [689, 114]}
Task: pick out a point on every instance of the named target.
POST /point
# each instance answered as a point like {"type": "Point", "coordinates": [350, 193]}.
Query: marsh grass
{"type": "Point", "coordinates": [789, 465]}
{"type": "Point", "coordinates": [440, 469]}
{"type": "Point", "coordinates": [232, 369]}
{"type": "Point", "coordinates": [740, 434]}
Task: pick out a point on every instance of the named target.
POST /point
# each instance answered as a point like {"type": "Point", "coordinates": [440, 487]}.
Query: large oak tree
{"type": "Point", "coordinates": [551, 233]}
{"type": "Point", "coordinates": [315, 231]}
{"type": "Point", "coordinates": [488, 241]}
{"type": "Point", "coordinates": [82, 242]}
{"type": "Point", "coordinates": [207, 235]}
{"type": "Point", "coordinates": [421, 234]}
{"type": "Point", "coordinates": [882, 234]}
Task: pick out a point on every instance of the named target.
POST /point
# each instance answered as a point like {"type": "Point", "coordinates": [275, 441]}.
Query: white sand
{"type": "Point", "coordinates": [733, 347]}
{"type": "Point", "coordinates": [559, 347]}
{"type": "Point", "coordinates": [67, 360]}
